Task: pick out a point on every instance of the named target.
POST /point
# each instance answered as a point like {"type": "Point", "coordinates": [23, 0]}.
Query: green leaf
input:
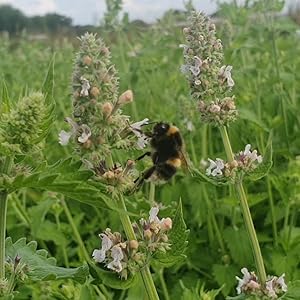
{"type": "Point", "coordinates": [48, 85]}
{"type": "Point", "coordinates": [110, 278]}
{"type": "Point", "coordinates": [65, 177]}
{"type": "Point", "coordinates": [225, 274]}
{"type": "Point", "coordinates": [41, 267]}
{"type": "Point", "coordinates": [238, 243]}
{"type": "Point", "coordinates": [264, 167]}
{"type": "Point", "coordinates": [178, 240]}
{"type": "Point", "coordinates": [199, 175]}
{"type": "Point", "coordinates": [5, 100]}
{"type": "Point", "coordinates": [293, 292]}
{"type": "Point", "coordinates": [250, 115]}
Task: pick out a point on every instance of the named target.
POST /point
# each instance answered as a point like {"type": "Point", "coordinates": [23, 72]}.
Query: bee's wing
{"type": "Point", "coordinates": [186, 163]}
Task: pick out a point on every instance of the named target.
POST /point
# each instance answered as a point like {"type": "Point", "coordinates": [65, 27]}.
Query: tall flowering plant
{"type": "Point", "coordinates": [211, 86]}
{"type": "Point", "coordinates": [98, 129]}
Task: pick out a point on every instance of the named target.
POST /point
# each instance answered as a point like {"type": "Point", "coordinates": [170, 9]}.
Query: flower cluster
{"type": "Point", "coordinates": [16, 271]}
{"type": "Point", "coordinates": [210, 81]}
{"type": "Point", "coordinates": [249, 285]}
{"type": "Point", "coordinates": [126, 257]}
{"type": "Point", "coordinates": [22, 127]}
{"type": "Point", "coordinates": [97, 124]}
{"type": "Point", "coordinates": [153, 232]}
{"type": "Point", "coordinates": [117, 179]}
{"type": "Point", "coordinates": [244, 162]}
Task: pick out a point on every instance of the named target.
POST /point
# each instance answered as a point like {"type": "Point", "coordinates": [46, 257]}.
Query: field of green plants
{"type": "Point", "coordinates": [57, 200]}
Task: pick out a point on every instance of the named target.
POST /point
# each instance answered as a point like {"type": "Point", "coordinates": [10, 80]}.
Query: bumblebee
{"type": "Point", "coordinates": [167, 154]}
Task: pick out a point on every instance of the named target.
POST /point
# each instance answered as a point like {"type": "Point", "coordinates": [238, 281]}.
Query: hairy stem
{"type": "Point", "coordinates": [246, 212]}
{"type": "Point", "coordinates": [5, 169]}
{"type": "Point", "coordinates": [145, 272]}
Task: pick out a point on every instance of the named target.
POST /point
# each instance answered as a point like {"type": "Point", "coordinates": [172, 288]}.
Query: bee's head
{"type": "Point", "coordinates": [160, 128]}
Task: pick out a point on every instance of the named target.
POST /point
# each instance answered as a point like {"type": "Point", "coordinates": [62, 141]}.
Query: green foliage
{"type": "Point", "coordinates": [178, 239]}
{"type": "Point", "coordinates": [111, 279]}
{"type": "Point", "coordinates": [40, 266]}
{"type": "Point", "coordinates": [264, 53]}
{"type": "Point", "coordinates": [65, 177]}
{"type": "Point", "coordinates": [263, 168]}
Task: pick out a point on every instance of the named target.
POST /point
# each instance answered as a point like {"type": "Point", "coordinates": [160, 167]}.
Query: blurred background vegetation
{"type": "Point", "coordinates": [263, 47]}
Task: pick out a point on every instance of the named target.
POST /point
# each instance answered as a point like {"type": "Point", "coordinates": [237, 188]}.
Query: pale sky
{"type": "Point", "coordinates": [91, 11]}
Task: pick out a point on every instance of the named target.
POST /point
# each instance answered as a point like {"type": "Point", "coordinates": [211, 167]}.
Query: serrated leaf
{"type": "Point", "coordinates": [237, 241]}
{"type": "Point", "coordinates": [178, 240]}
{"type": "Point", "coordinates": [48, 85]}
{"type": "Point", "coordinates": [264, 167]}
{"type": "Point", "coordinates": [202, 177]}
{"type": "Point", "coordinates": [5, 100]}
{"type": "Point", "coordinates": [110, 278]}
{"type": "Point", "coordinates": [65, 177]}
{"type": "Point", "coordinates": [41, 267]}
{"type": "Point", "coordinates": [225, 274]}
{"type": "Point", "coordinates": [293, 292]}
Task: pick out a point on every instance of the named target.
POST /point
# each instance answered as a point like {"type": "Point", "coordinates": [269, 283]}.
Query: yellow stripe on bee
{"type": "Point", "coordinates": [172, 130]}
{"type": "Point", "coordinates": [175, 162]}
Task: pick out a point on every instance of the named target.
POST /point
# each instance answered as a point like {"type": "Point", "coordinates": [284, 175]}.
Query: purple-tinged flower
{"type": "Point", "coordinates": [215, 168]}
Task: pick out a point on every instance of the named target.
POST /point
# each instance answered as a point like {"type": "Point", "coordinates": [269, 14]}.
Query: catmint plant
{"type": "Point", "coordinates": [97, 129]}
{"type": "Point", "coordinates": [211, 83]}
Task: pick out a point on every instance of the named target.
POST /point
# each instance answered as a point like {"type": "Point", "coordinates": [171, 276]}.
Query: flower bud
{"type": "Point", "coordinates": [107, 108]}
{"type": "Point", "coordinates": [126, 97]}
{"type": "Point", "coordinates": [94, 91]}
{"type": "Point", "coordinates": [215, 108]}
{"type": "Point", "coordinates": [133, 244]}
{"type": "Point", "coordinates": [233, 164]}
{"type": "Point", "coordinates": [166, 224]}
{"type": "Point", "coordinates": [88, 144]}
{"type": "Point", "coordinates": [147, 234]}
{"type": "Point", "coordinates": [87, 60]}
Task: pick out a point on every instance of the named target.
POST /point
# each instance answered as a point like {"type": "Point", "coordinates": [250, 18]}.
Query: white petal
{"type": "Point", "coordinates": [84, 87]}
{"type": "Point", "coordinates": [115, 266]}
{"type": "Point", "coordinates": [195, 70]}
{"type": "Point", "coordinates": [73, 124]}
{"type": "Point", "coordinates": [184, 69]}
{"type": "Point", "coordinates": [85, 134]}
{"type": "Point", "coordinates": [153, 214]}
{"type": "Point", "coordinates": [138, 125]}
{"type": "Point", "coordinates": [211, 166]}
{"type": "Point", "coordinates": [247, 149]}
{"type": "Point", "coordinates": [281, 282]}
{"type": "Point", "coordinates": [98, 255]}
{"type": "Point", "coordinates": [106, 242]}
{"type": "Point", "coordinates": [117, 253]}
{"type": "Point", "coordinates": [64, 137]}
{"type": "Point", "coordinates": [142, 141]}
{"type": "Point", "coordinates": [198, 61]}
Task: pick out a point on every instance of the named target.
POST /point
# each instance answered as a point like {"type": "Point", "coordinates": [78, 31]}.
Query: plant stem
{"type": "Point", "coordinates": [7, 164]}
{"type": "Point", "coordinates": [75, 230]}
{"type": "Point", "coordinates": [163, 284]}
{"type": "Point", "coordinates": [145, 272]}
{"type": "Point", "coordinates": [246, 212]}
{"type": "Point", "coordinates": [152, 193]}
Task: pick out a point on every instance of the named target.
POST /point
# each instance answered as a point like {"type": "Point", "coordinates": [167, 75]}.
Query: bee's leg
{"type": "Point", "coordinates": [140, 180]}
{"type": "Point", "coordinates": [148, 153]}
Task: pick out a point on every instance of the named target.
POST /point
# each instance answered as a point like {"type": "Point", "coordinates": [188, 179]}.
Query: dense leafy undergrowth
{"type": "Point", "coordinates": [65, 218]}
